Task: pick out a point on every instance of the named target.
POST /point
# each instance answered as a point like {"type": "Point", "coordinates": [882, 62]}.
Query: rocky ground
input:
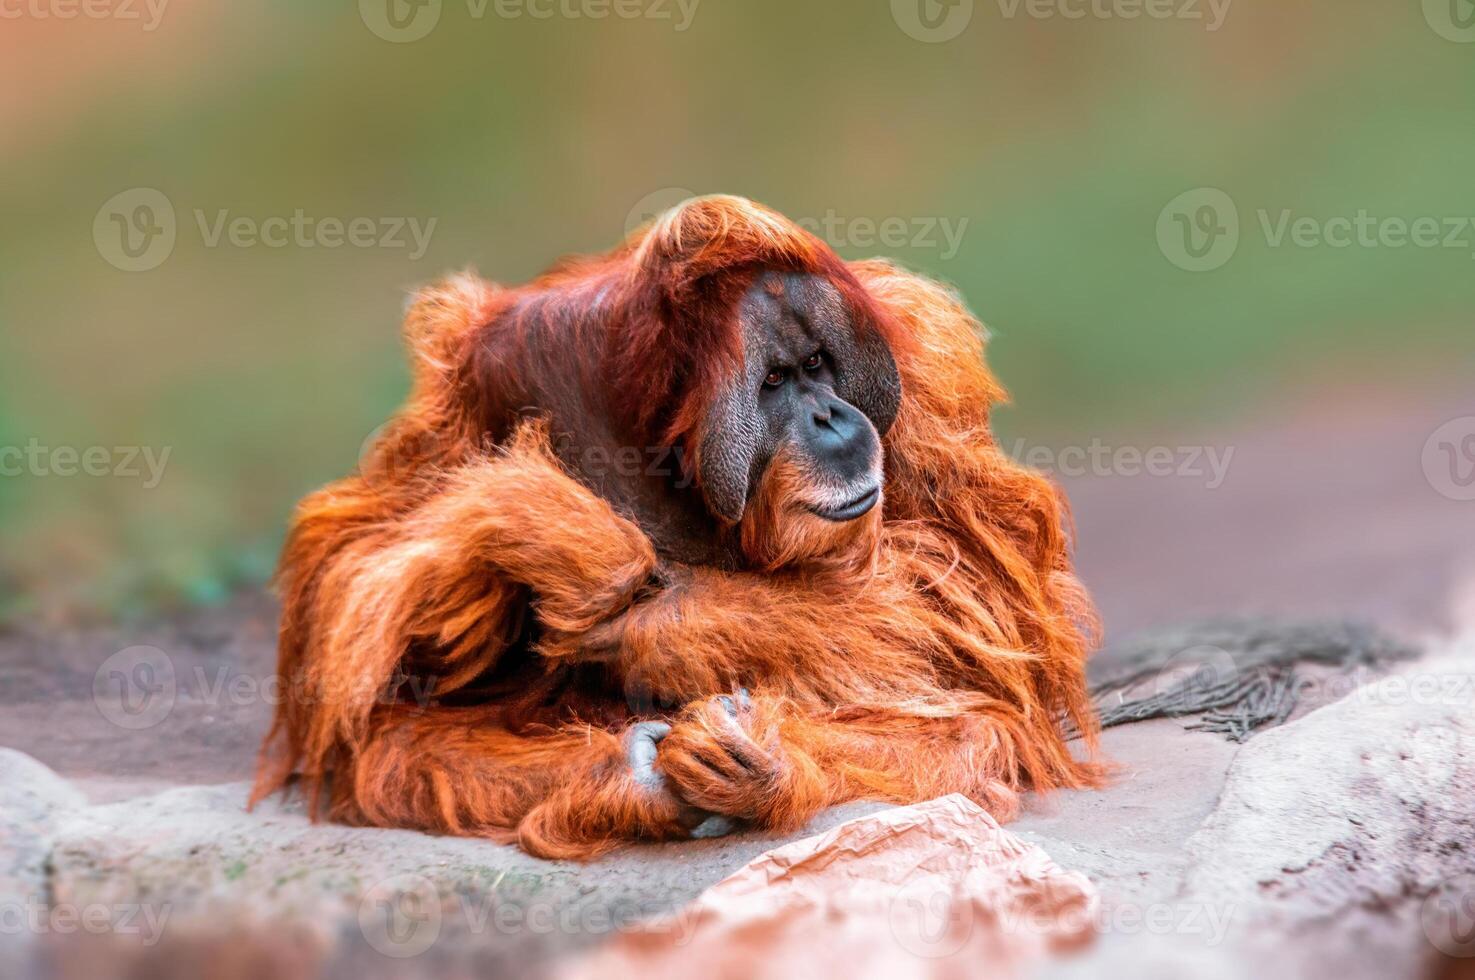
{"type": "Point", "coordinates": [1340, 844]}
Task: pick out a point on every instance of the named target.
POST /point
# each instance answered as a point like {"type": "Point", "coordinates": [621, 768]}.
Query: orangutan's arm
{"type": "Point", "coordinates": [767, 760]}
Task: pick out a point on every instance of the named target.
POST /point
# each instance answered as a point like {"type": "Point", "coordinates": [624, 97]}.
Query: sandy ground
{"type": "Point", "coordinates": [1327, 512]}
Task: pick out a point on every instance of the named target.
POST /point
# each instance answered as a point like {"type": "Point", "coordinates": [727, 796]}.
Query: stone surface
{"type": "Point", "coordinates": [296, 898]}
{"type": "Point", "coordinates": [1328, 847]}
{"type": "Point", "coordinates": [1342, 846]}
{"type": "Point", "coordinates": [195, 857]}
{"type": "Point", "coordinates": [32, 798]}
{"type": "Point", "coordinates": [1344, 823]}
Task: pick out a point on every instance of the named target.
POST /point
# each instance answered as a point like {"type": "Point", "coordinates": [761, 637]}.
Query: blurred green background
{"type": "Point", "coordinates": [1048, 146]}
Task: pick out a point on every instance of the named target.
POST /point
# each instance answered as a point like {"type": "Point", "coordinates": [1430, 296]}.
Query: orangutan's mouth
{"type": "Point", "coordinates": [855, 508]}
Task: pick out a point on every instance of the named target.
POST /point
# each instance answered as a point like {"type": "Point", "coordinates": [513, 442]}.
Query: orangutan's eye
{"type": "Point", "coordinates": [814, 361]}
{"type": "Point", "coordinates": [774, 378]}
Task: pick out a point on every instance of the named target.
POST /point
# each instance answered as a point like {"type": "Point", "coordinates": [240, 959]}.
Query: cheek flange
{"type": "Point", "coordinates": [729, 451]}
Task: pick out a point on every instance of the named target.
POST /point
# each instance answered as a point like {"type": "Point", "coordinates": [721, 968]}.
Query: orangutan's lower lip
{"type": "Point", "coordinates": [856, 508]}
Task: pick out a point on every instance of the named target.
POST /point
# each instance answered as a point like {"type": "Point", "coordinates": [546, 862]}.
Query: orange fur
{"type": "Point", "coordinates": [469, 633]}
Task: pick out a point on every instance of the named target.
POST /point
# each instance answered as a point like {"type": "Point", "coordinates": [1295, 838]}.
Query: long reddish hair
{"type": "Point", "coordinates": [930, 648]}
